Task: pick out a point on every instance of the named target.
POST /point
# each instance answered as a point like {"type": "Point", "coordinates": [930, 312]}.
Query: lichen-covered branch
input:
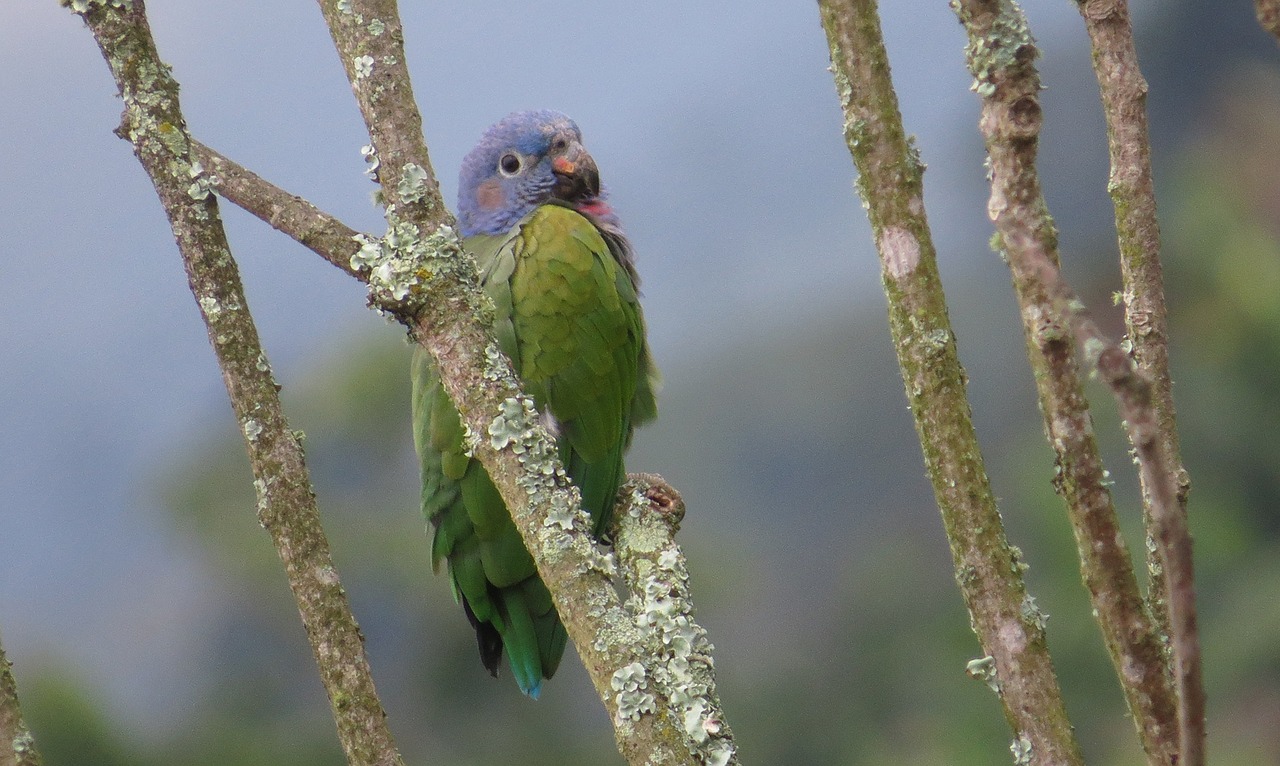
{"type": "Point", "coordinates": [1017, 664]}
{"type": "Point", "coordinates": [419, 273]}
{"type": "Point", "coordinates": [1001, 55]}
{"type": "Point", "coordinates": [1124, 95]}
{"type": "Point", "coordinates": [656, 577]}
{"type": "Point", "coordinates": [289, 214]}
{"type": "Point", "coordinates": [17, 747]}
{"type": "Point", "coordinates": [153, 123]}
{"type": "Point", "coordinates": [1269, 16]}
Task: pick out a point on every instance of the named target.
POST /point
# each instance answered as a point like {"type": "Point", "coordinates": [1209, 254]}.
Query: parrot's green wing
{"type": "Point", "coordinates": [568, 316]}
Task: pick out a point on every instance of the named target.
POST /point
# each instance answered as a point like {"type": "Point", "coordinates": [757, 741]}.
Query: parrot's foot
{"type": "Point", "coordinates": [663, 498]}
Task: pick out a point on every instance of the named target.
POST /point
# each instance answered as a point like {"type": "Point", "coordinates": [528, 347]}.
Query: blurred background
{"type": "Point", "coordinates": [145, 611]}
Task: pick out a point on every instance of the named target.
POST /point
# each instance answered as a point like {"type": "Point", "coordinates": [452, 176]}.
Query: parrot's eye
{"type": "Point", "coordinates": [559, 145]}
{"type": "Point", "coordinates": [509, 165]}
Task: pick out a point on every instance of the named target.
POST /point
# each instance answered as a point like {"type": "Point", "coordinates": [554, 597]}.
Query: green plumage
{"type": "Point", "coordinates": [568, 316]}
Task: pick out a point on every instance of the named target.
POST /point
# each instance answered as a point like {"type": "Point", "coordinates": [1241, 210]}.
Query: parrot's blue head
{"type": "Point", "coordinates": [522, 161]}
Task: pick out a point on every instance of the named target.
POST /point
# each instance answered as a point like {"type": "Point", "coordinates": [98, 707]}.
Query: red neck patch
{"type": "Point", "coordinates": [596, 208]}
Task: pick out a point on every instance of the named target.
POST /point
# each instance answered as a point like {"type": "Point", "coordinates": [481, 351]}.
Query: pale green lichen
{"type": "Point", "coordinates": [201, 185]}
{"type": "Point", "coordinates": [719, 754]}
{"type": "Point", "coordinates": [669, 560]}
{"type": "Point", "coordinates": [1021, 749]}
{"type": "Point", "coordinates": [1031, 612]}
{"type": "Point", "coordinates": [262, 487]}
{"type": "Point", "coordinates": [1008, 44]}
{"type": "Point", "coordinates": [402, 263]}
{"type": "Point", "coordinates": [370, 156]}
{"type": "Point", "coordinates": [369, 254]}
{"type": "Point", "coordinates": [1016, 559]}
{"type": "Point", "coordinates": [511, 425]}
{"type": "Point", "coordinates": [23, 742]}
{"type": "Point", "coordinates": [209, 305]}
{"type": "Point", "coordinates": [560, 515]}
{"type": "Point", "coordinates": [362, 66]}
{"type": "Point", "coordinates": [252, 429]}
{"type": "Point", "coordinates": [413, 185]}
{"type": "Point", "coordinates": [376, 27]}
{"type": "Point", "coordinates": [84, 6]}
{"type": "Point", "coordinates": [935, 341]}
{"type": "Point", "coordinates": [496, 366]}
{"type": "Point", "coordinates": [984, 669]}
{"type": "Point", "coordinates": [630, 682]}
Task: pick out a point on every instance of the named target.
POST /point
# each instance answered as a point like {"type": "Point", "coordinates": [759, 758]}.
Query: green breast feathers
{"type": "Point", "coordinates": [568, 316]}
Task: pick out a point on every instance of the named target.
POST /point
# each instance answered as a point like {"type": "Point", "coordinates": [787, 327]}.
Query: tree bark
{"type": "Point", "coordinates": [153, 123]}
{"type": "Point", "coordinates": [1009, 626]}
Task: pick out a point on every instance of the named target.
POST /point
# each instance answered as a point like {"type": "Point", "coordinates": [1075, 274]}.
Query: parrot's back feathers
{"type": "Point", "coordinates": [561, 276]}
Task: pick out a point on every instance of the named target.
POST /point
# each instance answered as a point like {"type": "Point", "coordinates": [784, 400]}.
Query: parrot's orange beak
{"type": "Point", "coordinates": [577, 177]}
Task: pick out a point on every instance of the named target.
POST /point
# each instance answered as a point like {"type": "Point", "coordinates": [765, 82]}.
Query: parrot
{"type": "Point", "coordinates": [552, 257]}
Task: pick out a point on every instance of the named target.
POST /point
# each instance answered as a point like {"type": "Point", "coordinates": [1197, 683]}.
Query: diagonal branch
{"type": "Point", "coordinates": [1124, 95]}
{"type": "Point", "coordinates": [289, 214]}
{"type": "Point", "coordinates": [1001, 55]}
{"type": "Point", "coordinates": [890, 180]}
{"type": "Point", "coordinates": [17, 747]}
{"type": "Point", "coordinates": [153, 123]}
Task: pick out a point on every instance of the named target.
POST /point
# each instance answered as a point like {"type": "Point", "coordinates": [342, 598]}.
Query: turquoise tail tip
{"type": "Point", "coordinates": [534, 690]}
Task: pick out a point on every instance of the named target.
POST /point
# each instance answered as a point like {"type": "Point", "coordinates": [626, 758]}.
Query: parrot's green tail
{"type": "Point", "coordinates": [528, 628]}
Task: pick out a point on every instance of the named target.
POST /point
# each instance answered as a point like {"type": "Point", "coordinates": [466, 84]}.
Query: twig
{"type": "Point", "coordinates": [153, 123]}
{"type": "Point", "coordinates": [1001, 56]}
{"type": "Point", "coordinates": [17, 747]}
{"type": "Point", "coordinates": [890, 180]}
{"type": "Point", "coordinates": [324, 234]}
{"type": "Point", "coordinates": [1269, 15]}
{"type": "Point", "coordinates": [1124, 95]}
{"type": "Point", "coordinates": [1135, 401]}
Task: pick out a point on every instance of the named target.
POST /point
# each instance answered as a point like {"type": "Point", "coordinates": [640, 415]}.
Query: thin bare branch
{"type": "Point", "coordinates": [1124, 95]}
{"type": "Point", "coordinates": [890, 179]}
{"type": "Point", "coordinates": [153, 123]}
{"type": "Point", "coordinates": [294, 216]}
{"type": "Point", "coordinates": [17, 746]}
{"type": "Point", "coordinates": [1001, 55]}
{"type": "Point", "coordinates": [1135, 400]}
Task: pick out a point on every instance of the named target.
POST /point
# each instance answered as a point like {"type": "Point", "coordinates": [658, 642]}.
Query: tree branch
{"type": "Point", "coordinates": [1001, 55]}
{"type": "Point", "coordinates": [655, 574]}
{"type": "Point", "coordinates": [988, 569]}
{"type": "Point", "coordinates": [289, 214]}
{"type": "Point", "coordinates": [153, 123]}
{"type": "Point", "coordinates": [1124, 95]}
{"type": "Point", "coordinates": [17, 747]}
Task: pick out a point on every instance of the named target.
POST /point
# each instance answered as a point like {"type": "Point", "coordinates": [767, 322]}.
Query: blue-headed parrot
{"type": "Point", "coordinates": [552, 256]}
